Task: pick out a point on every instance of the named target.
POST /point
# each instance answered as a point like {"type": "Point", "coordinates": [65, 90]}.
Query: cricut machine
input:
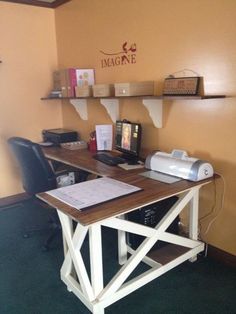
{"type": "Point", "coordinates": [178, 164]}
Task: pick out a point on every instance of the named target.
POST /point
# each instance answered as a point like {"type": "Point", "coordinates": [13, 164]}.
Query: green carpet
{"type": "Point", "coordinates": [30, 279]}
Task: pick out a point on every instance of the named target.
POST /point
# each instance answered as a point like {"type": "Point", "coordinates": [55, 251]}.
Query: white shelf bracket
{"type": "Point", "coordinates": [112, 107]}
{"type": "Point", "coordinates": [81, 107]}
{"type": "Point", "coordinates": [154, 107]}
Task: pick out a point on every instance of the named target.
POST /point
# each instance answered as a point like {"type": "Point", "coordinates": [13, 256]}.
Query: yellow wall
{"type": "Point", "coordinates": [170, 36]}
{"type": "Point", "coordinates": [28, 52]}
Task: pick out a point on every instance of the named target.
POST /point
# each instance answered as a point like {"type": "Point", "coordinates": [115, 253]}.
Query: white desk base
{"type": "Point", "coordinates": [91, 291]}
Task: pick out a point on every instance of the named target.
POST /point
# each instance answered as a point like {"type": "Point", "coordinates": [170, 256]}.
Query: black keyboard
{"type": "Point", "coordinates": [108, 159]}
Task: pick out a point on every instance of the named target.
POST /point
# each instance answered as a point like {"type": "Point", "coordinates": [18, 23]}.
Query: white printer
{"type": "Point", "coordinates": [178, 164]}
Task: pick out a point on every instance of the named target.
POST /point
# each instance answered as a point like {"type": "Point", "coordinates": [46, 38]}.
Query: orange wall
{"type": "Point", "coordinates": [170, 36]}
{"type": "Point", "coordinates": [28, 52]}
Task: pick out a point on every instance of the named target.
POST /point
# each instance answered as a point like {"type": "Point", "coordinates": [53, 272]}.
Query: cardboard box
{"type": "Point", "coordinates": [85, 77]}
{"type": "Point", "coordinates": [83, 91]}
{"type": "Point", "coordinates": [103, 90]}
{"type": "Point", "coordinates": [67, 79]}
{"type": "Point", "coordinates": [60, 82]}
{"type": "Point", "coordinates": [145, 88]}
{"type": "Point", "coordinates": [56, 81]}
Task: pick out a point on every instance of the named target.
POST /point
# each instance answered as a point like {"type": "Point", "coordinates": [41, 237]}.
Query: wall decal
{"type": "Point", "coordinates": [126, 56]}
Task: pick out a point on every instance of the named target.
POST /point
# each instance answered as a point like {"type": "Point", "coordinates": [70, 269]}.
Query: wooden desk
{"type": "Point", "coordinates": [91, 290]}
{"type": "Point", "coordinates": [81, 159]}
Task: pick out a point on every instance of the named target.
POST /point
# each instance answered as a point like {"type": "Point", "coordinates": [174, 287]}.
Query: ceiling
{"type": "Point", "coordinates": [41, 3]}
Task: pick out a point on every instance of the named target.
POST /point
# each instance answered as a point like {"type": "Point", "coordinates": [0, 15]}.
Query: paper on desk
{"type": "Point", "coordinates": [130, 167]}
{"type": "Point", "coordinates": [92, 192]}
{"type": "Point", "coordinates": [104, 136]}
{"type": "Point", "coordinates": [162, 177]}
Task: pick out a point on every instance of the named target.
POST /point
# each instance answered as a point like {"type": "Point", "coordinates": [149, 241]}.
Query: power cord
{"type": "Point", "coordinates": [214, 207]}
{"type": "Point", "coordinates": [211, 212]}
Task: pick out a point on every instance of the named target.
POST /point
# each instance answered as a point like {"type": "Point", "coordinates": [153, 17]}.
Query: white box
{"type": "Point", "coordinates": [103, 90]}
{"type": "Point", "coordinates": [145, 88]}
{"type": "Point", "coordinates": [85, 77]}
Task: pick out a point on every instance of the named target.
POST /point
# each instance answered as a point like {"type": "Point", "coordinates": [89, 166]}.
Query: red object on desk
{"type": "Point", "coordinates": [92, 145]}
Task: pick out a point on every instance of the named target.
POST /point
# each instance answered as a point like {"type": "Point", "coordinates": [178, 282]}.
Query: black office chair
{"type": "Point", "coordinates": [38, 176]}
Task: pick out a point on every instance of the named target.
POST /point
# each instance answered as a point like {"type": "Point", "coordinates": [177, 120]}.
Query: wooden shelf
{"type": "Point", "coordinates": [167, 253]}
{"type": "Point", "coordinates": [141, 97]}
{"type": "Point", "coordinates": [154, 104]}
{"type": "Point", "coordinates": [193, 97]}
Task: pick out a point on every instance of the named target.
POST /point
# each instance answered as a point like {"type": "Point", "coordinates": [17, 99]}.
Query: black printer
{"type": "Point", "coordinates": [58, 136]}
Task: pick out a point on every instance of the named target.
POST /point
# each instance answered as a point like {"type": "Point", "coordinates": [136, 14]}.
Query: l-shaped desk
{"type": "Point", "coordinates": [90, 288]}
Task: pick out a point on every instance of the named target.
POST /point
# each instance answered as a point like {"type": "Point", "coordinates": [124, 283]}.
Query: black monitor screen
{"type": "Point", "coordinates": [128, 137]}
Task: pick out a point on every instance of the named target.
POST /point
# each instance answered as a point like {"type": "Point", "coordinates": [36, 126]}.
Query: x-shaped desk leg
{"type": "Point", "coordinates": [116, 288]}
{"type": "Point", "coordinates": [89, 289]}
{"type": "Point", "coordinates": [79, 281]}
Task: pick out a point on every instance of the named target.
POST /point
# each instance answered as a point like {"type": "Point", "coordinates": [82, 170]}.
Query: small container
{"type": "Point", "coordinates": [103, 90]}
{"type": "Point", "coordinates": [74, 145]}
{"type": "Point", "coordinates": [83, 91]}
{"type": "Point", "coordinates": [145, 88]}
{"type": "Point", "coordinates": [92, 145]}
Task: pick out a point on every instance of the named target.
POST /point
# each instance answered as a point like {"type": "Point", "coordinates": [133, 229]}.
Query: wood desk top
{"type": "Point", "coordinates": [152, 191]}
{"type": "Point", "coordinates": [83, 159]}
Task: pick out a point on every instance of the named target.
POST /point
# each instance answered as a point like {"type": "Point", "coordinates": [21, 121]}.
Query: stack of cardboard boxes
{"type": "Point", "coordinates": [68, 81]}
{"type": "Point", "coordinates": [74, 82]}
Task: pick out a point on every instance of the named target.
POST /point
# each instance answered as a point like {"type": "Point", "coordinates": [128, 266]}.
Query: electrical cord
{"type": "Point", "coordinates": [214, 207]}
{"type": "Point", "coordinates": [212, 212]}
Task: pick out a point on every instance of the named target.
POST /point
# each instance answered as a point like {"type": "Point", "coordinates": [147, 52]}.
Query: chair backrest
{"type": "Point", "coordinates": [37, 174]}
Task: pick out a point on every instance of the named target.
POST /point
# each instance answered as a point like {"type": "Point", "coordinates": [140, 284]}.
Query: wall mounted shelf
{"type": "Point", "coordinates": [81, 107]}
{"type": "Point", "coordinates": [154, 105]}
{"type": "Point", "coordinates": [112, 107]}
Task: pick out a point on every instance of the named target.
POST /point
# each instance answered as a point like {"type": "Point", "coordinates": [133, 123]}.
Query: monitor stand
{"type": "Point", "coordinates": [131, 160]}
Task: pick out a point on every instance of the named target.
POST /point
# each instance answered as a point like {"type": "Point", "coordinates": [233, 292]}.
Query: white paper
{"type": "Point", "coordinates": [92, 192]}
{"type": "Point", "coordinates": [130, 167]}
{"type": "Point", "coordinates": [160, 176]}
{"type": "Point", "coordinates": [104, 136]}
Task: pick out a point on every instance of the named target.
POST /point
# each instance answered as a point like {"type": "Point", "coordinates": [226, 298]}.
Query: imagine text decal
{"type": "Point", "coordinates": [126, 56]}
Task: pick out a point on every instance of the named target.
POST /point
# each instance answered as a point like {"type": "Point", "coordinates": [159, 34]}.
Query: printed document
{"type": "Point", "coordinates": [92, 192]}
{"type": "Point", "coordinates": [104, 136]}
